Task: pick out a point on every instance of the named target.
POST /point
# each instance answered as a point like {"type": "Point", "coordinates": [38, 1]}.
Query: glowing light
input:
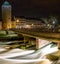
{"type": "Point", "coordinates": [27, 26]}
{"type": "Point", "coordinates": [32, 24]}
{"type": "Point", "coordinates": [17, 20]}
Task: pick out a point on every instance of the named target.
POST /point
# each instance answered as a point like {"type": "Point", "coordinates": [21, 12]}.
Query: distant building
{"type": "Point", "coordinates": [6, 15]}
{"type": "Point", "coordinates": [7, 21]}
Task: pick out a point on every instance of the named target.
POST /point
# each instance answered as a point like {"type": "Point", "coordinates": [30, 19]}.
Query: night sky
{"type": "Point", "coordinates": [34, 8]}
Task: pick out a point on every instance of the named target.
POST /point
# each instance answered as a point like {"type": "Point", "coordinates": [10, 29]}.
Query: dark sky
{"type": "Point", "coordinates": [34, 8]}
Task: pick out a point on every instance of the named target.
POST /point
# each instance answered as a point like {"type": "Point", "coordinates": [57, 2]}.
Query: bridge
{"type": "Point", "coordinates": [52, 37]}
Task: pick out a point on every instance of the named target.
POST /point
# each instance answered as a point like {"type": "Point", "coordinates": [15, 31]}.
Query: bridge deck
{"type": "Point", "coordinates": [42, 35]}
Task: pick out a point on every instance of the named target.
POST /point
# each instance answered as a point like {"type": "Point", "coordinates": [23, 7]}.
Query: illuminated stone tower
{"type": "Point", "coordinates": [6, 15]}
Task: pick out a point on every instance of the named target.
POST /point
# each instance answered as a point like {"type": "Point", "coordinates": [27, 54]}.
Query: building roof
{"type": "Point", "coordinates": [6, 3]}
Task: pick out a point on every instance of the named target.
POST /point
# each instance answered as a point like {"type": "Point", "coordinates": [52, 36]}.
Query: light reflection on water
{"type": "Point", "coordinates": [45, 50]}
